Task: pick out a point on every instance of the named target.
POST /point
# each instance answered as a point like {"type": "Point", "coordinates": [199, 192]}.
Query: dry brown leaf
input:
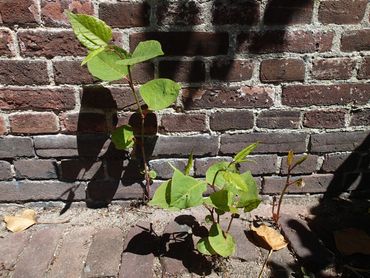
{"type": "Point", "coordinates": [20, 222]}
{"type": "Point", "coordinates": [271, 236]}
{"type": "Point", "coordinates": [351, 241]}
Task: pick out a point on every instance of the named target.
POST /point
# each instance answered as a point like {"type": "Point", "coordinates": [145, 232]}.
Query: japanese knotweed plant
{"type": "Point", "coordinates": [109, 62]}
{"type": "Point", "coordinates": [231, 192]}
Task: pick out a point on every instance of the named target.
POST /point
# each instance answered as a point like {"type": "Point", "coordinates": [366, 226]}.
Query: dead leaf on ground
{"type": "Point", "coordinates": [351, 241]}
{"type": "Point", "coordinates": [271, 236]}
{"type": "Point", "coordinates": [20, 222]}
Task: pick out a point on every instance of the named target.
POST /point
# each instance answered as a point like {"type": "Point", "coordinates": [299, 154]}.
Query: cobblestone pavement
{"type": "Point", "coordinates": [123, 241]}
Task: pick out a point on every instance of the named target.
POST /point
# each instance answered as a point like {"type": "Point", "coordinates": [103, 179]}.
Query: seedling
{"type": "Point", "coordinates": [109, 62]}
{"type": "Point", "coordinates": [231, 192]}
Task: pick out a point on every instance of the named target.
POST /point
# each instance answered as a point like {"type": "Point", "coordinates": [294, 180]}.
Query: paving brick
{"type": "Point", "coordinates": [72, 254]}
{"type": "Point", "coordinates": [11, 147]}
{"type": "Point", "coordinates": [360, 117]}
{"type": "Point", "coordinates": [342, 11]}
{"type": "Point", "coordinates": [355, 40]}
{"type": "Point", "coordinates": [10, 248]}
{"type": "Point", "coordinates": [16, 72]}
{"type": "Point", "coordinates": [35, 169]}
{"type": "Point", "coordinates": [5, 171]}
{"type": "Point", "coordinates": [104, 255]}
{"type": "Point", "coordinates": [307, 167]}
{"type": "Point", "coordinates": [325, 118]}
{"type": "Point", "coordinates": [288, 12]}
{"type": "Point", "coordinates": [241, 12]}
{"type": "Point", "coordinates": [183, 13]}
{"type": "Point", "coordinates": [260, 164]}
{"type": "Point", "coordinates": [164, 169]}
{"type": "Point", "coordinates": [182, 71]}
{"type": "Point", "coordinates": [6, 42]}
{"type": "Point", "coordinates": [222, 120]}
{"type": "Point", "coordinates": [333, 68]}
{"type": "Point", "coordinates": [231, 70]}
{"type": "Point", "coordinates": [278, 119]}
{"type": "Point", "coordinates": [34, 123]}
{"type": "Point", "coordinates": [182, 122]}
{"type": "Point", "coordinates": [37, 256]}
{"type": "Point", "coordinates": [269, 143]}
{"type": "Point", "coordinates": [19, 12]}
{"type": "Point", "coordinates": [282, 70]}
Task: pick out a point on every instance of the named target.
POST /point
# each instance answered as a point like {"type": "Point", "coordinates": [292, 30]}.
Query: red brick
{"type": "Point", "coordinates": [355, 40]}
{"type": "Point", "coordinates": [277, 70]}
{"type": "Point", "coordinates": [84, 122]}
{"type": "Point", "coordinates": [333, 68]}
{"type": "Point", "coordinates": [231, 70]}
{"type": "Point", "coordinates": [360, 117]}
{"type": "Point", "coordinates": [19, 12]}
{"type": "Point", "coordinates": [241, 12]}
{"type": "Point", "coordinates": [125, 14]}
{"type": "Point", "coordinates": [71, 72]}
{"type": "Point", "coordinates": [13, 72]}
{"type": "Point", "coordinates": [182, 122]}
{"type": "Point", "coordinates": [45, 99]}
{"type": "Point", "coordinates": [53, 11]}
{"type": "Point", "coordinates": [186, 43]}
{"type": "Point", "coordinates": [143, 73]}
{"type": "Point", "coordinates": [221, 121]}
{"type": "Point", "coordinates": [3, 127]}
{"type": "Point", "coordinates": [34, 123]}
{"type": "Point", "coordinates": [182, 71]}
{"type": "Point", "coordinates": [324, 118]}
{"type": "Point", "coordinates": [50, 44]}
{"type": "Point", "coordinates": [6, 43]}
{"type": "Point", "coordinates": [342, 11]}
{"type": "Point", "coordinates": [183, 13]}
{"type": "Point", "coordinates": [278, 119]}
{"type": "Point", "coordinates": [35, 169]}
{"type": "Point", "coordinates": [286, 12]}
{"type": "Point", "coordinates": [304, 95]}
{"type": "Point", "coordinates": [5, 172]}
{"type": "Point", "coordinates": [276, 41]}
{"type": "Point", "coordinates": [231, 97]}
{"type": "Point", "coordinates": [364, 71]}
{"type": "Point", "coordinates": [306, 167]}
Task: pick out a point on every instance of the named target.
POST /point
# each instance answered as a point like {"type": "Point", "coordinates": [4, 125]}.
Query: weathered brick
{"type": "Point", "coordinates": [143, 72]}
{"type": "Point", "coordinates": [231, 70]}
{"type": "Point", "coordinates": [84, 123]}
{"type": "Point", "coordinates": [342, 11]}
{"type": "Point", "coordinates": [163, 166]}
{"type": "Point", "coordinates": [355, 40]}
{"type": "Point", "coordinates": [5, 171]}
{"type": "Point", "coordinates": [201, 165]}
{"type": "Point", "coordinates": [333, 68]}
{"type": "Point", "coordinates": [18, 12]}
{"type": "Point", "coordinates": [360, 117]}
{"type": "Point", "coordinates": [13, 72]}
{"type": "Point", "coordinates": [35, 169]}
{"type": "Point", "coordinates": [35, 99]}
{"type": "Point", "coordinates": [284, 41]}
{"type": "Point", "coordinates": [80, 169]}
{"type": "Point", "coordinates": [3, 127]}
{"type": "Point", "coordinates": [223, 120]}
{"type": "Point", "coordinates": [364, 71]}
{"type": "Point", "coordinates": [278, 119]}
{"type": "Point", "coordinates": [182, 71]}
{"type": "Point", "coordinates": [288, 12]}
{"type": "Point", "coordinates": [230, 97]}
{"type": "Point", "coordinates": [34, 123]}
{"type": "Point", "coordinates": [186, 43]}
{"type": "Point", "coordinates": [71, 72]}
{"type": "Point", "coordinates": [53, 11]}
{"type": "Point", "coordinates": [125, 14]}
{"type": "Point", "coordinates": [337, 141]}
{"type": "Point", "coordinates": [305, 95]}
{"type": "Point", "coordinates": [182, 122]}
{"type": "Point", "coordinates": [277, 70]}
{"type": "Point", "coordinates": [306, 167]}
{"type": "Point", "coordinates": [184, 145]}
{"type": "Point", "coordinates": [324, 118]}
{"type": "Point", "coordinates": [6, 42]}
{"type": "Point", "coordinates": [183, 13]}
{"type": "Point", "coordinates": [50, 44]}
{"type": "Point", "coordinates": [260, 164]}
{"type": "Point", "coordinates": [313, 184]}
{"type": "Point", "coordinates": [269, 142]}
{"type": "Point", "coordinates": [333, 161]}
{"type": "Point", "coordinates": [105, 252]}
{"type": "Point", "coordinates": [241, 12]}
{"type": "Point", "coordinates": [10, 247]}
{"type": "Point", "coordinates": [11, 147]}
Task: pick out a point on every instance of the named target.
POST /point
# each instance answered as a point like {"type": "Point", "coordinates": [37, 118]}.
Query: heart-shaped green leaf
{"type": "Point", "coordinates": [222, 242]}
{"type": "Point", "coordinates": [92, 54]}
{"type": "Point", "coordinates": [249, 200]}
{"type": "Point", "coordinates": [204, 247]}
{"type": "Point", "coordinates": [222, 200]}
{"type": "Point", "coordinates": [161, 196]}
{"type": "Point", "coordinates": [214, 174]}
{"type": "Point", "coordinates": [144, 51]}
{"type": "Point", "coordinates": [123, 137]}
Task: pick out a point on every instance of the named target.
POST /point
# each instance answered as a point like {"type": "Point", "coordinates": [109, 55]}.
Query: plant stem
{"type": "Point", "coordinates": [264, 264]}
{"type": "Point", "coordinates": [287, 183]}
{"type": "Point", "coordinates": [231, 221]}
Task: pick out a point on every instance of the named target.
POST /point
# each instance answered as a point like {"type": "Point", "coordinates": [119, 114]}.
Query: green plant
{"type": "Point", "coordinates": [231, 191]}
{"type": "Point", "coordinates": [109, 63]}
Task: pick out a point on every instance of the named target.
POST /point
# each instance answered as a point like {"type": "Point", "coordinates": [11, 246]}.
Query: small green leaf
{"type": "Point", "coordinates": [161, 196]}
{"type": "Point", "coordinates": [152, 174]}
{"type": "Point", "coordinates": [145, 50]}
{"type": "Point", "coordinates": [189, 165]}
{"type": "Point", "coordinates": [235, 180]}
{"type": "Point", "coordinates": [214, 173]}
{"type": "Point", "coordinates": [221, 199]}
{"type": "Point", "coordinates": [249, 200]}
{"type": "Point", "coordinates": [123, 137]}
{"type": "Point", "coordinates": [303, 158]}
{"type": "Point", "coordinates": [92, 54]}
{"type": "Point", "coordinates": [240, 156]}
{"type": "Point", "coordinates": [204, 247]}
{"type": "Point", "coordinates": [223, 245]}
{"type": "Point", "coordinates": [159, 93]}
{"type": "Point", "coordinates": [92, 32]}
{"type": "Point", "coordinates": [290, 158]}
{"type": "Point", "coordinates": [104, 66]}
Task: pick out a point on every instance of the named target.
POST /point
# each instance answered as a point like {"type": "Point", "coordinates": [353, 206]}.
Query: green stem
{"type": "Point", "coordinates": [287, 183]}
{"type": "Point", "coordinates": [229, 226]}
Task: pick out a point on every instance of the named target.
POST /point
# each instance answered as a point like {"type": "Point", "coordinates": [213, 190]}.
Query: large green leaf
{"type": "Point", "coordinates": [222, 200]}
{"type": "Point", "coordinates": [223, 245]}
{"type": "Point", "coordinates": [145, 50]}
{"type": "Point", "coordinates": [240, 156]}
{"type": "Point", "coordinates": [159, 93]}
{"type": "Point", "coordinates": [92, 32]}
{"type": "Point", "coordinates": [234, 181]}
{"type": "Point", "coordinates": [186, 191]}
{"type": "Point", "coordinates": [214, 174]}
{"type": "Point", "coordinates": [161, 196]}
{"type": "Point", "coordinates": [92, 54]}
{"type": "Point", "coordinates": [123, 137]}
{"type": "Point", "coordinates": [249, 200]}
{"type": "Point", "coordinates": [104, 66]}
{"type": "Point", "coordinates": [204, 247]}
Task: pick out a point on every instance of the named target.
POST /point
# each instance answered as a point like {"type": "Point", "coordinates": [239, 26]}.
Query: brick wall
{"type": "Point", "coordinates": [291, 74]}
